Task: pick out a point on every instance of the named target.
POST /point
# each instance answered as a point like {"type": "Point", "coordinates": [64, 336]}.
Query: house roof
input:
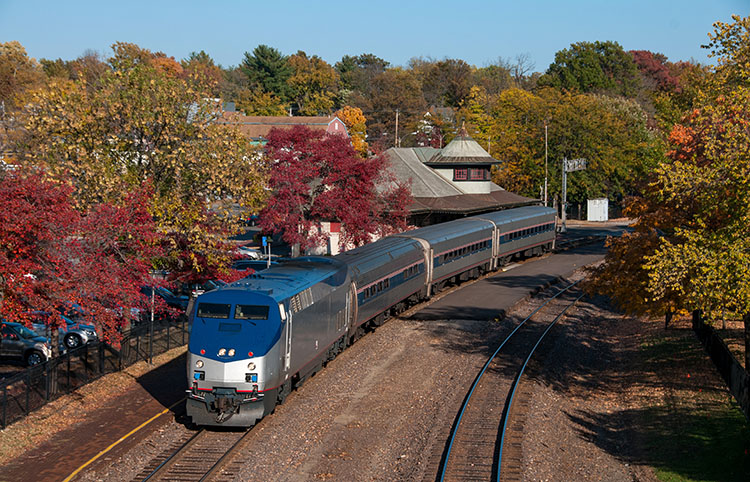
{"type": "Point", "coordinates": [462, 150]}
{"type": "Point", "coordinates": [433, 193]}
{"type": "Point", "coordinates": [257, 127]}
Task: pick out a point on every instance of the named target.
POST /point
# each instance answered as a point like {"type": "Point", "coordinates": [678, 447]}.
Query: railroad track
{"type": "Point", "coordinates": [478, 448]}
{"type": "Point", "coordinates": [199, 456]}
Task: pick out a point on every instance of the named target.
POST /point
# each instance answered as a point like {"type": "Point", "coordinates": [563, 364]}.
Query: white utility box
{"type": "Point", "coordinates": [598, 209]}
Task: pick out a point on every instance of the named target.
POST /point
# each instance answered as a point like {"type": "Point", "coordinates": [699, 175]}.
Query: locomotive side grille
{"type": "Point", "coordinates": [295, 304]}
{"type": "Point", "coordinates": [306, 298]}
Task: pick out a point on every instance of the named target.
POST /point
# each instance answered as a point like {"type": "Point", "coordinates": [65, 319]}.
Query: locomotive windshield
{"type": "Point", "coordinates": [251, 312]}
{"type": "Point", "coordinates": [250, 326]}
{"type": "Point", "coordinates": [213, 310]}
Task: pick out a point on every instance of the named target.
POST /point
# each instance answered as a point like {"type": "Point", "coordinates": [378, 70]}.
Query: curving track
{"type": "Point", "coordinates": [475, 445]}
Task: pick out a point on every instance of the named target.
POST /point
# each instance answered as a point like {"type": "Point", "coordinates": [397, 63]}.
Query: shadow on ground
{"type": "Point", "coordinates": [166, 384]}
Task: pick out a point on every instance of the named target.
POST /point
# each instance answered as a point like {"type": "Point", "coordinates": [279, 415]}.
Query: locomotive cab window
{"type": "Point", "coordinates": [213, 310]}
{"type": "Point", "coordinates": [251, 312]}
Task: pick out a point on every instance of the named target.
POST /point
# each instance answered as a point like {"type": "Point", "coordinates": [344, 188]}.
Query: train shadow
{"type": "Point", "coordinates": [166, 384]}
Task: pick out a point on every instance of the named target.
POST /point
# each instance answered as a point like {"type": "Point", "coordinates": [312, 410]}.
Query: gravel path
{"type": "Point", "coordinates": [579, 393]}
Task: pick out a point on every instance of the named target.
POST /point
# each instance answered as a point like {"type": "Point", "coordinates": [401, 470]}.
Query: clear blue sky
{"type": "Point", "coordinates": [476, 31]}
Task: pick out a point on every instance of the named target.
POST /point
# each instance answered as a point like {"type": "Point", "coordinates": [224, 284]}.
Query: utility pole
{"type": "Point", "coordinates": [396, 141]}
{"type": "Point", "coordinates": [546, 170]}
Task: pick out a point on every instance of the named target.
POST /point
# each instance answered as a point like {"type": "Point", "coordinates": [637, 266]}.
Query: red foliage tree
{"type": "Point", "coordinates": [317, 177]}
{"type": "Point", "coordinates": [656, 69]}
{"type": "Point", "coordinates": [51, 255]}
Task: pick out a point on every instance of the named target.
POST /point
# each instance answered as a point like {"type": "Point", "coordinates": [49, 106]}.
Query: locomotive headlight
{"type": "Point", "coordinates": [251, 366]}
{"type": "Point", "coordinates": [231, 352]}
{"type": "Point", "coordinates": [199, 364]}
{"type": "Point", "coordinates": [222, 351]}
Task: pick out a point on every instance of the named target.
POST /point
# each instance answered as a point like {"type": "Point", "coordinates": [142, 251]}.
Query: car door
{"type": "Point", "coordinates": [11, 345]}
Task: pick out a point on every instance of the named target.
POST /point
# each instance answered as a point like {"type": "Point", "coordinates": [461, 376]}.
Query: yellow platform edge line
{"type": "Point", "coordinates": [124, 437]}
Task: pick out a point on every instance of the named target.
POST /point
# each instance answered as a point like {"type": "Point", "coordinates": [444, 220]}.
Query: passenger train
{"type": "Point", "coordinates": [255, 340]}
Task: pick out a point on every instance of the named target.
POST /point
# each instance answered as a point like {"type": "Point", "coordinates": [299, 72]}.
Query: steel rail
{"type": "Point", "coordinates": [219, 463]}
{"type": "Point", "coordinates": [182, 447]}
{"type": "Point", "coordinates": [454, 431]}
{"type": "Point", "coordinates": [516, 382]}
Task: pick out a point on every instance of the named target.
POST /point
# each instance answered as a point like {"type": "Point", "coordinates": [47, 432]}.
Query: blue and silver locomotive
{"type": "Point", "coordinates": [253, 341]}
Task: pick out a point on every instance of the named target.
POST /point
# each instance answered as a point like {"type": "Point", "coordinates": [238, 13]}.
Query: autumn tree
{"type": "Point", "coordinates": [394, 89]}
{"type": "Point", "coordinates": [313, 84]}
{"type": "Point", "coordinates": [446, 83]}
{"type": "Point", "coordinates": [600, 67]}
{"type": "Point", "coordinates": [355, 122]}
{"type": "Point", "coordinates": [611, 133]}
{"type": "Point", "coordinates": [319, 177]}
{"type": "Point", "coordinates": [18, 73]}
{"type": "Point", "coordinates": [699, 201]}
{"type": "Point", "coordinates": [259, 103]}
{"type": "Point", "coordinates": [141, 122]}
{"type": "Point", "coordinates": [52, 255]}
{"type": "Point", "coordinates": [203, 70]}
{"type": "Point", "coordinates": [493, 78]}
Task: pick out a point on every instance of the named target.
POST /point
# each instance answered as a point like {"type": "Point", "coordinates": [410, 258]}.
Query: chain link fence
{"type": "Point", "coordinates": [34, 387]}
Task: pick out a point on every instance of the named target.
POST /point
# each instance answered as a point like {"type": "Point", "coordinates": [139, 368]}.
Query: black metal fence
{"type": "Point", "coordinates": [735, 376]}
{"type": "Point", "coordinates": [31, 389]}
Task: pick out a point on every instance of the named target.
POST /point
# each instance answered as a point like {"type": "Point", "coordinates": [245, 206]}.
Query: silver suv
{"type": "Point", "coordinates": [20, 343]}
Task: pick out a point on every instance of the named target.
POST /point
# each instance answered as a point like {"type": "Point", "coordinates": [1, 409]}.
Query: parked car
{"type": "Point", "coordinates": [179, 302]}
{"type": "Point", "coordinates": [72, 335]}
{"type": "Point", "coordinates": [200, 288]}
{"type": "Point", "coordinates": [248, 252]}
{"type": "Point", "coordinates": [20, 343]}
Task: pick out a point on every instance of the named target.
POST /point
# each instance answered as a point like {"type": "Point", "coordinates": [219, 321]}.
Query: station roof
{"type": "Point", "coordinates": [463, 150]}
{"type": "Point", "coordinates": [431, 192]}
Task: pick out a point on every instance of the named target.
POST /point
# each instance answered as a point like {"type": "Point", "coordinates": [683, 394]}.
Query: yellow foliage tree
{"type": "Point", "coordinates": [355, 122]}
{"type": "Point", "coordinates": [138, 124]}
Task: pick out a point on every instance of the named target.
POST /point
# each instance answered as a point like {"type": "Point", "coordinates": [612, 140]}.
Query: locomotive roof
{"type": "Point", "coordinates": [290, 277]}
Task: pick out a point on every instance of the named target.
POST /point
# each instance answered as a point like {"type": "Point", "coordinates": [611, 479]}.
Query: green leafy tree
{"type": "Point", "coordinates": [356, 72]}
{"type": "Point", "coordinates": [601, 67]}
{"type": "Point", "coordinates": [268, 69]}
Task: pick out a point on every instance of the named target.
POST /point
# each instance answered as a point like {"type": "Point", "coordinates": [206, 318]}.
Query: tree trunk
{"type": "Point", "coordinates": [697, 321]}
{"type": "Point", "coordinates": [746, 322]}
{"type": "Point", "coordinates": [668, 318]}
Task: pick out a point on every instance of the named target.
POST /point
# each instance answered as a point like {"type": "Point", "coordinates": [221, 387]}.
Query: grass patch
{"type": "Point", "coordinates": [694, 430]}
